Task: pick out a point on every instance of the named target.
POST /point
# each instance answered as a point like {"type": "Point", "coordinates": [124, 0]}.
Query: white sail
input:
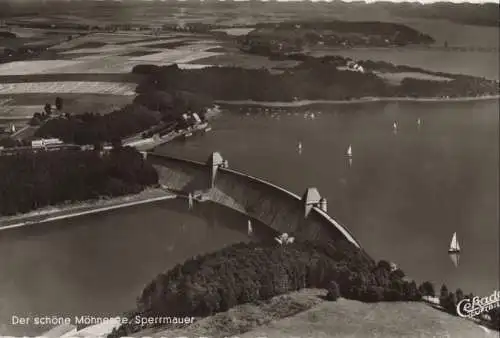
{"type": "Point", "coordinates": [250, 228]}
{"type": "Point", "coordinates": [395, 126]}
{"type": "Point", "coordinates": [349, 151]}
{"type": "Point", "coordinates": [454, 245]}
{"type": "Point", "coordinates": [419, 122]}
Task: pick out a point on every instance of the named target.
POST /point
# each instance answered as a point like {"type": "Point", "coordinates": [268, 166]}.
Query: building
{"type": "Point", "coordinates": [41, 143]}
{"type": "Point", "coordinates": [353, 66]}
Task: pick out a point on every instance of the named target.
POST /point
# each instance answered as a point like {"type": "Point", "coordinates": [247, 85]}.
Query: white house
{"type": "Point", "coordinates": [351, 65]}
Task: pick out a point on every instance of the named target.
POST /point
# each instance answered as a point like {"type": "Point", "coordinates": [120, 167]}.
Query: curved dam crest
{"type": "Point", "coordinates": [280, 209]}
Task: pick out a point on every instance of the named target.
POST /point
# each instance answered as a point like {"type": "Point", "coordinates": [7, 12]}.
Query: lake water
{"type": "Point", "coordinates": [97, 265]}
{"type": "Point", "coordinates": [403, 197]}
{"type": "Point", "coordinates": [405, 193]}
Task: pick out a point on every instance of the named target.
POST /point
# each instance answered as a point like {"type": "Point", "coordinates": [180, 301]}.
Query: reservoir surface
{"type": "Point", "coordinates": [407, 190]}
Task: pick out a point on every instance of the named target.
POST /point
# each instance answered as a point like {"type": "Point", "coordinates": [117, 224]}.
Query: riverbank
{"type": "Point", "coordinates": [54, 213]}
{"type": "Point", "coordinates": [302, 103]}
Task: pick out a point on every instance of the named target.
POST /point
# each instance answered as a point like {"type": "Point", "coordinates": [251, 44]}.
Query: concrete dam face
{"type": "Point", "coordinates": [276, 207]}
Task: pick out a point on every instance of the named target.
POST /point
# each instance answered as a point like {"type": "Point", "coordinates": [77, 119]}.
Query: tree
{"type": "Point", "coordinates": [459, 294]}
{"type": "Point", "coordinates": [451, 304]}
{"type": "Point", "coordinates": [35, 120]}
{"type": "Point", "coordinates": [495, 318]}
{"type": "Point", "coordinates": [398, 274]}
{"type": "Point", "coordinates": [59, 103]}
{"type": "Point", "coordinates": [48, 108]}
{"type": "Point", "coordinates": [443, 296]}
{"type": "Point", "coordinates": [372, 294]}
{"type": "Point", "coordinates": [427, 289]}
{"type": "Point", "coordinates": [444, 291]}
{"type": "Point", "coordinates": [333, 291]}
{"type": "Point", "coordinates": [384, 265]}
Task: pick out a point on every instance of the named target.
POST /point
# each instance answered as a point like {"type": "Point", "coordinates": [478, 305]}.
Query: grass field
{"type": "Point", "coordinates": [482, 64]}
{"type": "Point", "coordinates": [305, 314]}
{"type": "Point", "coordinates": [35, 67]}
{"type": "Point", "coordinates": [73, 103]}
{"type": "Point", "coordinates": [396, 78]}
{"type": "Point", "coordinates": [19, 112]}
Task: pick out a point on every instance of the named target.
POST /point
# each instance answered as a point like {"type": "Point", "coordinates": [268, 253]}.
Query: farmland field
{"type": "Point", "coordinates": [100, 63]}
{"type": "Point", "coordinates": [19, 112]}
{"type": "Point", "coordinates": [73, 103]}
{"type": "Point", "coordinates": [35, 67]}
{"type": "Point", "coordinates": [70, 87]}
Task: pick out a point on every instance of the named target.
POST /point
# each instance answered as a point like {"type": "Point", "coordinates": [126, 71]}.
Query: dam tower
{"type": "Point", "coordinates": [215, 161]}
{"type": "Point", "coordinates": [311, 199]}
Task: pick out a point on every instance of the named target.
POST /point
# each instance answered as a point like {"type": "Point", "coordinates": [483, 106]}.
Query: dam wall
{"type": "Point", "coordinates": [272, 205]}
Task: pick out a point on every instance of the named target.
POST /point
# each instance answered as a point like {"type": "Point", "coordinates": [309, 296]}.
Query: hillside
{"type": "Point", "coordinates": [338, 33]}
{"type": "Point", "coordinates": [306, 313]}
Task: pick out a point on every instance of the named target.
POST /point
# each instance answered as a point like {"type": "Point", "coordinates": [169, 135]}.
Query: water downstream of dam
{"type": "Point", "coordinates": [402, 197]}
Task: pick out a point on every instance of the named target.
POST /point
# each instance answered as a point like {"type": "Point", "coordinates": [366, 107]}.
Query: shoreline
{"type": "Point", "coordinates": [303, 103]}
{"type": "Point", "coordinates": [54, 213]}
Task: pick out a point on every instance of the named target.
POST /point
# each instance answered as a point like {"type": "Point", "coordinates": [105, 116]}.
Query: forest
{"type": "Point", "coordinates": [253, 272]}
{"type": "Point", "coordinates": [336, 32]}
{"type": "Point", "coordinates": [313, 79]}
{"type": "Point", "coordinates": [90, 128]}
{"type": "Point", "coordinates": [29, 181]}
{"type": "Point", "coordinates": [250, 272]}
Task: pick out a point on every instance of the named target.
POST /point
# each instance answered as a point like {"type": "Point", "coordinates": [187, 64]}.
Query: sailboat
{"type": "Point", "coordinates": [349, 151]}
{"type": "Point", "coordinates": [395, 127]}
{"type": "Point", "coordinates": [419, 122]}
{"type": "Point", "coordinates": [250, 228]}
{"type": "Point", "coordinates": [454, 250]}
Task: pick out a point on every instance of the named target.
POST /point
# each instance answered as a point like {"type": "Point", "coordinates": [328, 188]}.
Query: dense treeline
{"type": "Point", "coordinates": [315, 78]}
{"type": "Point", "coordinates": [249, 272]}
{"type": "Point", "coordinates": [9, 142]}
{"type": "Point", "coordinates": [92, 128]}
{"type": "Point", "coordinates": [32, 180]}
{"type": "Point", "coordinates": [336, 31]}
{"type": "Point", "coordinates": [150, 108]}
{"type": "Point", "coordinates": [173, 103]}
{"type": "Point", "coordinates": [7, 35]}
{"type": "Point", "coordinates": [245, 84]}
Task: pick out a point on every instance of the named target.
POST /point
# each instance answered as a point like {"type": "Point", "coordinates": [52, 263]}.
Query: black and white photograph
{"type": "Point", "coordinates": [249, 169]}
